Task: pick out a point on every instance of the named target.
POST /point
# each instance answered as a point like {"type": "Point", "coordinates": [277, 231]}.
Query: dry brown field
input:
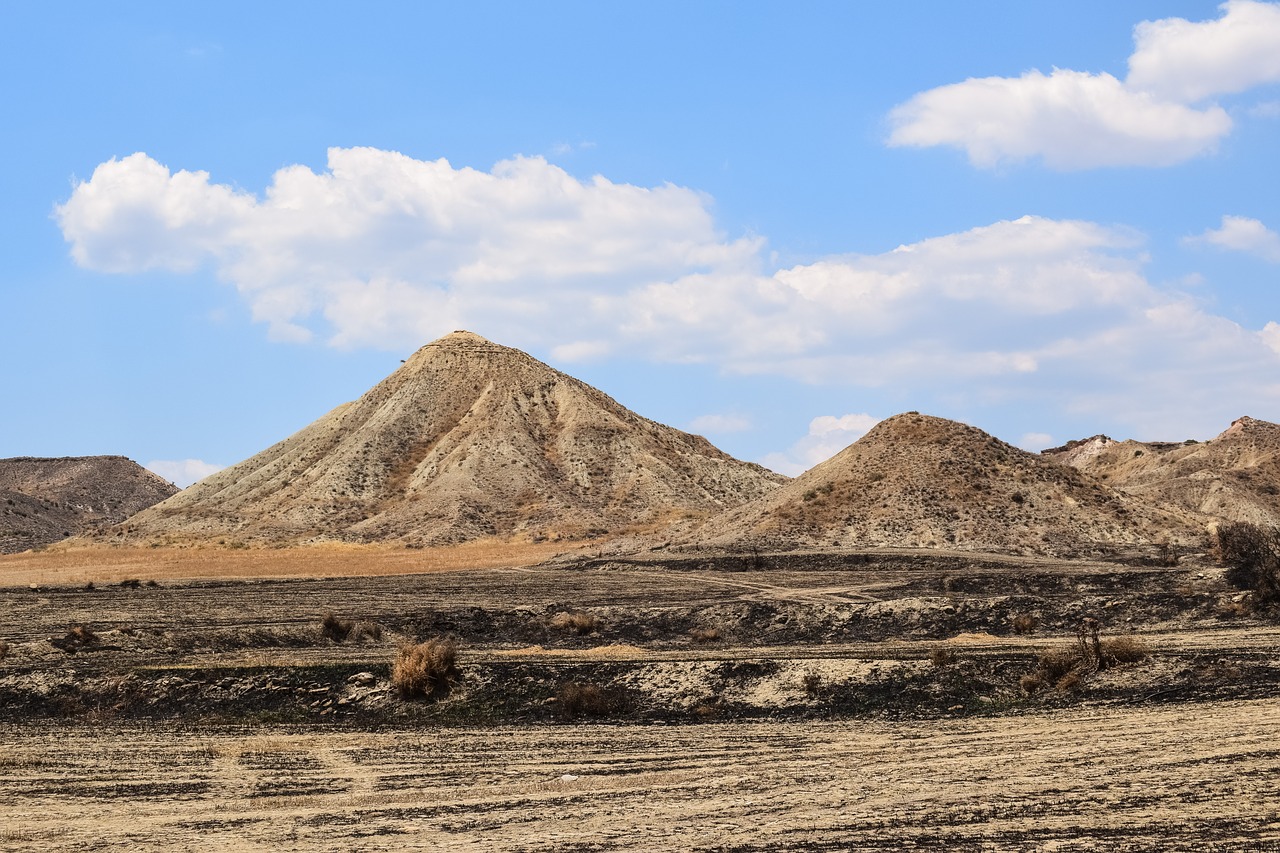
{"type": "Point", "coordinates": [873, 700]}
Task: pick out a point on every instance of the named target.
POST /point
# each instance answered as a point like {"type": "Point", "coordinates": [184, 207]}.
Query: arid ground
{"type": "Point", "coordinates": [852, 700]}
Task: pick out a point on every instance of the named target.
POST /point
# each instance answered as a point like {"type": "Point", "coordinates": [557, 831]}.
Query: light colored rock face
{"type": "Point", "coordinates": [922, 482]}
{"type": "Point", "coordinates": [466, 440]}
{"type": "Point", "coordinates": [1235, 476]}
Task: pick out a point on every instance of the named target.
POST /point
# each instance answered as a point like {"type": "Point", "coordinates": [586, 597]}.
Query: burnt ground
{"type": "Point", "coordinates": [796, 701]}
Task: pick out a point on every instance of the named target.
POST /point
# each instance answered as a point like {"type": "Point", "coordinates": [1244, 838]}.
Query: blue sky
{"type": "Point", "coordinates": [772, 224]}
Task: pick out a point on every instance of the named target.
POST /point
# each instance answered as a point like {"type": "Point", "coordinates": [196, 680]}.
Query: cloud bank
{"type": "Point", "coordinates": [1157, 116]}
{"type": "Point", "coordinates": [382, 250]}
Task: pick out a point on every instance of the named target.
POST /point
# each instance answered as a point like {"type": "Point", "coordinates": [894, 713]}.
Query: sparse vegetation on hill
{"type": "Point", "coordinates": [467, 440]}
{"type": "Point", "coordinates": [45, 500]}
{"type": "Point", "coordinates": [923, 482]}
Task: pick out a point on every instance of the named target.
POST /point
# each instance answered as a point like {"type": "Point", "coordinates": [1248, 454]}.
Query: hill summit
{"type": "Point", "coordinates": [916, 481]}
{"type": "Point", "coordinates": [468, 439]}
{"type": "Point", "coordinates": [1235, 476]}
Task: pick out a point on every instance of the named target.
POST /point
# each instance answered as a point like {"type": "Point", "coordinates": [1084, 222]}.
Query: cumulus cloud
{"type": "Point", "coordinates": [1242, 234]}
{"type": "Point", "coordinates": [1072, 119]}
{"type": "Point", "coordinates": [183, 472]}
{"type": "Point", "coordinates": [827, 436]}
{"type": "Point", "coordinates": [719, 424]}
{"type": "Point", "coordinates": [1187, 62]}
{"type": "Point", "coordinates": [386, 251]}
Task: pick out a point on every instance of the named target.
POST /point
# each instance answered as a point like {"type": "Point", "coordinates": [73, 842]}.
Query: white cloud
{"type": "Point", "coordinates": [1071, 119]}
{"type": "Point", "coordinates": [1271, 336]}
{"type": "Point", "coordinates": [386, 251]}
{"type": "Point", "coordinates": [719, 424]}
{"type": "Point", "coordinates": [183, 472]}
{"type": "Point", "coordinates": [827, 436]}
{"type": "Point", "coordinates": [391, 250]}
{"type": "Point", "coordinates": [1187, 62]}
{"type": "Point", "coordinates": [1241, 234]}
{"type": "Point", "coordinates": [1080, 120]}
{"type": "Point", "coordinates": [1036, 441]}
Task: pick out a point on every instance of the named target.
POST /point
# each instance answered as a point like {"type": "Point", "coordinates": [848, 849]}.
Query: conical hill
{"type": "Point", "coordinates": [467, 440]}
{"type": "Point", "coordinates": [916, 481]}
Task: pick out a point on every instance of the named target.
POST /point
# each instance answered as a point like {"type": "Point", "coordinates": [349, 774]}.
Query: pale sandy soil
{"type": "Point", "coordinates": [1181, 777]}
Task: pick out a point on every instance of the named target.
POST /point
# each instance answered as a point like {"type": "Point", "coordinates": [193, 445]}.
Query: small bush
{"type": "Point", "coordinates": [129, 583]}
{"type": "Point", "coordinates": [333, 628]}
{"type": "Point", "coordinates": [1125, 650]}
{"type": "Point", "coordinates": [589, 700]}
{"type": "Point", "coordinates": [1059, 668]}
{"type": "Point", "coordinates": [941, 656]}
{"type": "Point", "coordinates": [812, 684]}
{"type": "Point", "coordinates": [1024, 623]}
{"type": "Point", "coordinates": [425, 670]}
{"type": "Point", "coordinates": [704, 635]}
{"type": "Point", "coordinates": [367, 630]}
{"type": "Point", "coordinates": [82, 635]}
{"type": "Point", "coordinates": [574, 620]}
{"type": "Point", "coordinates": [1251, 554]}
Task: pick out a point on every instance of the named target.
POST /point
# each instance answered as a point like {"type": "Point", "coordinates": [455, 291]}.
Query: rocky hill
{"type": "Point", "coordinates": [45, 500]}
{"type": "Point", "coordinates": [467, 440]}
{"type": "Point", "coordinates": [923, 482]}
{"type": "Point", "coordinates": [1235, 476]}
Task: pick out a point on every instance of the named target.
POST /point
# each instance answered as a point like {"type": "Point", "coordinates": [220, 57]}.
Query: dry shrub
{"type": "Point", "coordinates": [812, 684]}
{"type": "Point", "coordinates": [704, 635]}
{"type": "Point", "coordinates": [1059, 668]}
{"type": "Point", "coordinates": [333, 628]}
{"type": "Point", "coordinates": [1024, 623]}
{"type": "Point", "coordinates": [81, 635]}
{"type": "Point", "coordinates": [427, 669]}
{"type": "Point", "coordinates": [367, 631]}
{"type": "Point", "coordinates": [589, 700]}
{"type": "Point", "coordinates": [1251, 554]}
{"type": "Point", "coordinates": [1125, 650]}
{"type": "Point", "coordinates": [941, 656]}
{"type": "Point", "coordinates": [4, 649]}
{"type": "Point", "coordinates": [574, 620]}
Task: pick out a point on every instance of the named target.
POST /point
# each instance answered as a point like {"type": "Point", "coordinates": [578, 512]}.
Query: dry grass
{"type": "Point", "coordinates": [78, 564]}
{"type": "Point", "coordinates": [942, 656]}
{"type": "Point", "coordinates": [589, 700]}
{"type": "Point", "coordinates": [333, 628]}
{"type": "Point", "coordinates": [704, 635]}
{"type": "Point", "coordinates": [574, 620]}
{"type": "Point", "coordinates": [425, 670]}
{"type": "Point", "coordinates": [1125, 650]}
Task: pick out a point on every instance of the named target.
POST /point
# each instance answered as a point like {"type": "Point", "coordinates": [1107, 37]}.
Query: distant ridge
{"type": "Point", "coordinates": [44, 500]}
{"type": "Point", "coordinates": [917, 481]}
{"type": "Point", "coordinates": [1234, 477]}
{"type": "Point", "coordinates": [467, 440]}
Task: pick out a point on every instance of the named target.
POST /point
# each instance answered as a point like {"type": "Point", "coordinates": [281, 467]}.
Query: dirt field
{"type": "Point", "coordinates": [1173, 778]}
{"type": "Point", "coordinates": [820, 701]}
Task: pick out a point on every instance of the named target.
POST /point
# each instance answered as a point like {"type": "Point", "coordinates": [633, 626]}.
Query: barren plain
{"type": "Point", "coordinates": [818, 701]}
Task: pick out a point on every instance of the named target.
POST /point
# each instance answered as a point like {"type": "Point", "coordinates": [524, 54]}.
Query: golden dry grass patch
{"type": "Point", "coordinates": [79, 564]}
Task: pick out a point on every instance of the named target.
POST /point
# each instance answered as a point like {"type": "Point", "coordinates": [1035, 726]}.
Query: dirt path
{"type": "Point", "coordinates": [1181, 777]}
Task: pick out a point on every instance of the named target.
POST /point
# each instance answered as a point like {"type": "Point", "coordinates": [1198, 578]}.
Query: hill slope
{"type": "Point", "coordinates": [45, 500]}
{"type": "Point", "coordinates": [466, 440]}
{"type": "Point", "coordinates": [922, 482]}
{"type": "Point", "coordinates": [1235, 476]}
